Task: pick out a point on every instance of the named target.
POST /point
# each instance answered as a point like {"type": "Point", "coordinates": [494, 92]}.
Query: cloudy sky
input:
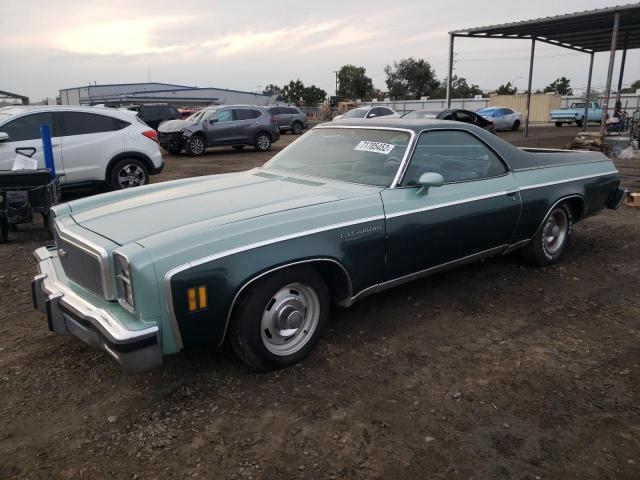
{"type": "Point", "coordinates": [46, 46]}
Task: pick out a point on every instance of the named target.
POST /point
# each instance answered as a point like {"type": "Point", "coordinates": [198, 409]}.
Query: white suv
{"type": "Point", "coordinates": [91, 145]}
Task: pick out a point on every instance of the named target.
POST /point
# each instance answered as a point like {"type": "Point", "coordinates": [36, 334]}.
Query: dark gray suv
{"type": "Point", "coordinates": [289, 118]}
{"type": "Point", "coordinates": [234, 125]}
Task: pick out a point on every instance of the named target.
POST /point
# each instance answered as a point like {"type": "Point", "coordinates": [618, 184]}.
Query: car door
{"type": "Point", "coordinates": [509, 117]}
{"type": "Point", "coordinates": [245, 122]}
{"type": "Point", "coordinates": [465, 117]}
{"type": "Point", "coordinates": [221, 128]}
{"type": "Point", "coordinates": [474, 213]}
{"type": "Point", "coordinates": [89, 142]}
{"type": "Point", "coordinates": [24, 132]}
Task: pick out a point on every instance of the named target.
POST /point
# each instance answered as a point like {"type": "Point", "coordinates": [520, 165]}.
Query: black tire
{"type": "Point", "coordinates": [46, 219]}
{"type": "Point", "coordinates": [538, 251]}
{"type": "Point", "coordinates": [196, 146]}
{"type": "Point", "coordinates": [262, 142]}
{"type": "Point", "coordinates": [579, 123]}
{"type": "Point", "coordinates": [516, 126]}
{"type": "Point", "coordinates": [238, 147]}
{"type": "Point", "coordinates": [558, 124]}
{"type": "Point", "coordinates": [174, 150]}
{"type": "Point", "coordinates": [296, 128]}
{"type": "Point", "coordinates": [4, 230]}
{"type": "Point", "coordinates": [128, 173]}
{"type": "Point", "coordinates": [254, 344]}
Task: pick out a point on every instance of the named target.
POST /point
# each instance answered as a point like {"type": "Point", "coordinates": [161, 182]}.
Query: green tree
{"type": "Point", "coordinates": [312, 96]}
{"type": "Point", "coordinates": [293, 92]}
{"type": "Point", "coordinates": [272, 89]}
{"type": "Point", "coordinates": [411, 79]}
{"type": "Point", "coordinates": [561, 86]}
{"type": "Point", "coordinates": [354, 84]}
{"type": "Point", "coordinates": [506, 89]}
{"type": "Point", "coordinates": [460, 88]}
{"type": "Point", "coordinates": [632, 89]}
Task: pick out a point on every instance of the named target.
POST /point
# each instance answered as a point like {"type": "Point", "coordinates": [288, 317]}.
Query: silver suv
{"type": "Point", "coordinates": [289, 119]}
{"type": "Point", "coordinates": [234, 125]}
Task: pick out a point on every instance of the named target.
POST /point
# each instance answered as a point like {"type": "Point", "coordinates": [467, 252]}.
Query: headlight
{"type": "Point", "coordinates": [124, 285]}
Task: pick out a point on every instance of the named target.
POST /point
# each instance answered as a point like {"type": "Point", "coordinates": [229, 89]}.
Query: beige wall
{"type": "Point", "coordinates": [541, 104]}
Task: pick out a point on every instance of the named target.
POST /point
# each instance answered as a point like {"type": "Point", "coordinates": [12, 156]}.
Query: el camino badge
{"type": "Point", "coordinates": [355, 234]}
{"type": "Point", "coordinates": [376, 147]}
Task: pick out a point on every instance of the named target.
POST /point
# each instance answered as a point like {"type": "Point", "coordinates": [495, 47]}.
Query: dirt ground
{"type": "Point", "coordinates": [494, 371]}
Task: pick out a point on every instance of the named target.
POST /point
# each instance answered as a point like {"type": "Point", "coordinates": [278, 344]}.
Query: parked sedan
{"type": "Point", "coordinates": [455, 114]}
{"type": "Point", "coordinates": [234, 125]}
{"type": "Point", "coordinates": [289, 119]}
{"type": "Point", "coordinates": [502, 118]}
{"type": "Point", "coordinates": [257, 257]}
{"type": "Point", "coordinates": [368, 112]}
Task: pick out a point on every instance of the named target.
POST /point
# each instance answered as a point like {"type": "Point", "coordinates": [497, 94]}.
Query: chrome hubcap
{"type": "Point", "coordinates": [131, 176]}
{"type": "Point", "coordinates": [197, 146]}
{"type": "Point", "coordinates": [555, 231]}
{"type": "Point", "coordinates": [289, 319]}
{"type": "Point", "coordinates": [263, 142]}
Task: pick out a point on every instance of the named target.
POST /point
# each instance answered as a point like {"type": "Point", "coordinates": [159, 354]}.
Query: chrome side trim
{"type": "Point", "coordinates": [567, 180]}
{"type": "Point", "coordinates": [96, 251]}
{"type": "Point", "coordinates": [209, 258]}
{"type": "Point", "coordinates": [422, 273]}
{"type": "Point", "coordinates": [516, 246]}
{"type": "Point", "coordinates": [449, 204]}
{"type": "Point", "coordinates": [257, 277]}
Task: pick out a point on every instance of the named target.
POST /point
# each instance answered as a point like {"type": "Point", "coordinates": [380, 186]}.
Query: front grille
{"type": "Point", "coordinates": [169, 136]}
{"type": "Point", "coordinates": [80, 266]}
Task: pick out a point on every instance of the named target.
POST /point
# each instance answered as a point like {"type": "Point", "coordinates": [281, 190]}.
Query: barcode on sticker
{"type": "Point", "coordinates": [377, 147]}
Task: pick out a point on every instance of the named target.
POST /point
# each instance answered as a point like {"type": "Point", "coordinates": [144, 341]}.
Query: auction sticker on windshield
{"type": "Point", "coordinates": [377, 147]}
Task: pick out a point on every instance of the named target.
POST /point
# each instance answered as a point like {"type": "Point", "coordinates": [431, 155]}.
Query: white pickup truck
{"type": "Point", "coordinates": [575, 114]}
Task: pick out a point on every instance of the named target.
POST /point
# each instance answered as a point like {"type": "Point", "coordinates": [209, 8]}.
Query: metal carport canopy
{"type": "Point", "coordinates": [592, 31]}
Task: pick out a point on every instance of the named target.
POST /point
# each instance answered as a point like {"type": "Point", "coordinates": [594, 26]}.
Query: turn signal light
{"type": "Point", "coordinates": [197, 298]}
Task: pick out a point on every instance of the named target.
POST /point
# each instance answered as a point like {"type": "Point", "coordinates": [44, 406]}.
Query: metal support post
{"type": "Point", "coordinates": [450, 75]}
{"type": "Point", "coordinates": [585, 121]}
{"type": "Point", "coordinates": [612, 57]}
{"type": "Point", "coordinates": [526, 120]}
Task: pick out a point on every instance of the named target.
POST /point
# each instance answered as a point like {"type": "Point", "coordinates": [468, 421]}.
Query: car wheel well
{"type": "Point", "coordinates": [122, 156]}
{"type": "Point", "coordinates": [264, 131]}
{"type": "Point", "coordinates": [577, 206]}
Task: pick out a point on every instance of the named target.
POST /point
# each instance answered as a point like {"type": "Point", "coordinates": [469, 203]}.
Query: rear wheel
{"type": "Point", "coordinates": [296, 128]}
{"type": "Point", "coordinates": [551, 240]}
{"type": "Point", "coordinates": [196, 146]}
{"type": "Point", "coordinates": [128, 173]}
{"type": "Point", "coordinates": [516, 126]}
{"type": "Point", "coordinates": [4, 230]}
{"type": "Point", "coordinates": [262, 142]}
{"type": "Point", "coordinates": [279, 318]}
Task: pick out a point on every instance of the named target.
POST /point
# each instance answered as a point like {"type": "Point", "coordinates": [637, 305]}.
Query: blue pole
{"type": "Point", "coordinates": [45, 133]}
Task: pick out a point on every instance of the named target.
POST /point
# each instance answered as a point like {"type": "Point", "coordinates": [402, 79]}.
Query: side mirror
{"type": "Point", "coordinates": [371, 115]}
{"type": "Point", "coordinates": [4, 136]}
{"type": "Point", "coordinates": [428, 180]}
{"type": "Point", "coordinates": [213, 120]}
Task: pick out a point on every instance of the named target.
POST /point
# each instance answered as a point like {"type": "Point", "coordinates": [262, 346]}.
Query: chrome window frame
{"type": "Point", "coordinates": [99, 253]}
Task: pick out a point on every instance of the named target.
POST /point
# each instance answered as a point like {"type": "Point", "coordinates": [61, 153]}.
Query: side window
{"type": "Point", "coordinates": [256, 113]}
{"type": "Point", "coordinates": [224, 116]}
{"type": "Point", "coordinates": [454, 154]}
{"type": "Point", "coordinates": [245, 114]}
{"type": "Point", "coordinates": [507, 111]}
{"type": "Point", "coordinates": [384, 112]}
{"type": "Point", "coordinates": [373, 112]}
{"type": "Point", "coordinates": [462, 116]}
{"type": "Point", "coordinates": [28, 127]}
{"type": "Point", "coordinates": [293, 111]}
{"type": "Point", "coordinates": [80, 123]}
{"type": "Point", "coordinates": [275, 111]}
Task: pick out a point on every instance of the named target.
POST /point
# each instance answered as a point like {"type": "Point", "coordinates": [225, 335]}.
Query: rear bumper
{"type": "Point", "coordinates": [617, 198]}
{"type": "Point", "coordinates": [69, 314]}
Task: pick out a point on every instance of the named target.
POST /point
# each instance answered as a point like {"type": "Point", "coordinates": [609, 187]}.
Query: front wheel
{"type": "Point", "coordinates": [558, 124]}
{"type": "Point", "coordinates": [516, 126]}
{"type": "Point", "coordinates": [579, 123]}
{"type": "Point", "coordinates": [263, 142]}
{"type": "Point", "coordinates": [279, 318]}
{"type": "Point", "coordinates": [174, 149]}
{"type": "Point", "coordinates": [196, 146]}
{"type": "Point", "coordinates": [128, 173]}
{"type": "Point", "coordinates": [296, 128]}
{"type": "Point", "coordinates": [551, 240]}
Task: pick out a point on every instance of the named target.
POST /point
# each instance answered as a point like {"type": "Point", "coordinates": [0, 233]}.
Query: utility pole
{"type": "Point", "coordinates": [336, 72]}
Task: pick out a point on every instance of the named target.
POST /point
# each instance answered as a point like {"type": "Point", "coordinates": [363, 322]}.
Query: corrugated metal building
{"type": "Point", "coordinates": [123, 94]}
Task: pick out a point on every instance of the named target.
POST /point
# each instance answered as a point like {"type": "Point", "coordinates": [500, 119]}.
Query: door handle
{"type": "Point", "coordinates": [232, 124]}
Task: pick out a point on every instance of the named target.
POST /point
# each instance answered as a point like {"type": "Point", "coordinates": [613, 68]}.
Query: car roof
{"type": "Point", "coordinates": [415, 124]}
{"type": "Point", "coordinates": [22, 109]}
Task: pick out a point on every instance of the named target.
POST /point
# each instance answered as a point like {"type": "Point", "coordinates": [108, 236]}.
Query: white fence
{"type": "Point", "coordinates": [631, 100]}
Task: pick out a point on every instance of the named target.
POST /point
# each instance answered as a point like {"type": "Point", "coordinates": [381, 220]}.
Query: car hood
{"type": "Point", "coordinates": [171, 126]}
{"type": "Point", "coordinates": [203, 203]}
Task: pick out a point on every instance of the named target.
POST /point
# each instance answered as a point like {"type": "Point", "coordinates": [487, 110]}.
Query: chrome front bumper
{"type": "Point", "coordinates": [617, 198]}
{"type": "Point", "coordinates": [69, 314]}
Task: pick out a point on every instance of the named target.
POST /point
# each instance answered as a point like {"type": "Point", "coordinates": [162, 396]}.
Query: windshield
{"type": "Point", "coordinates": [355, 155]}
{"type": "Point", "coordinates": [355, 113]}
{"type": "Point", "coordinates": [196, 117]}
{"type": "Point", "coordinates": [421, 114]}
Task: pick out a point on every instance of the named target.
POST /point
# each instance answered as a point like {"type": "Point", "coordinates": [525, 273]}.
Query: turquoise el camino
{"type": "Point", "coordinates": [257, 258]}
